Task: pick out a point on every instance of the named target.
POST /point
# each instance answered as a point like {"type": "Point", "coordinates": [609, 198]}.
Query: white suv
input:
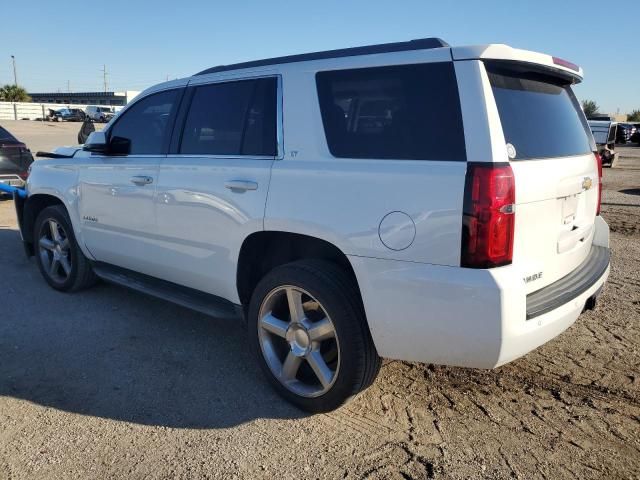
{"type": "Point", "coordinates": [411, 201]}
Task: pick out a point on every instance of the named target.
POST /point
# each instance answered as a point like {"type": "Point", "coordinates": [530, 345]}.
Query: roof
{"type": "Point", "coordinates": [419, 44]}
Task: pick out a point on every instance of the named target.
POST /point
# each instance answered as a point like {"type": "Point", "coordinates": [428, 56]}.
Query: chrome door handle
{"type": "Point", "coordinates": [141, 180]}
{"type": "Point", "coordinates": [240, 185]}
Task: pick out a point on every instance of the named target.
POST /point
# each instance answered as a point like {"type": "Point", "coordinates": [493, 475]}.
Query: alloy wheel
{"type": "Point", "coordinates": [299, 341]}
{"type": "Point", "coordinates": [54, 250]}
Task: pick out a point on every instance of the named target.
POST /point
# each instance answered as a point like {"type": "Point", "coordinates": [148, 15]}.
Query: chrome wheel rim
{"type": "Point", "coordinates": [299, 341]}
{"type": "Point", "coordinates": [54, 250]}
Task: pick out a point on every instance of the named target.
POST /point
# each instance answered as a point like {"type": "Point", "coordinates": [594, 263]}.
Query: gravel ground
{"type": "Point", "coordinates": [111, 384]}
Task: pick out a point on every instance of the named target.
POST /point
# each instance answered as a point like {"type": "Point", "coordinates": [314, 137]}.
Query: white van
{"type": "Point", "coordinates": [99, 114]}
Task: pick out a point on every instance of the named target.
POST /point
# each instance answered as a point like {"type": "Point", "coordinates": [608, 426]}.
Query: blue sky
{"type": "Point", "coordinates": [143, 42]}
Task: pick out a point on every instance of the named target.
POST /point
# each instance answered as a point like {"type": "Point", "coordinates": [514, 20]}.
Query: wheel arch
{"type": "Point", "coordinates": [33, 205]}
{"type": "Point", "coordinates": [32, 208]}
{"type": "Point", "coordinates": [263, 251]}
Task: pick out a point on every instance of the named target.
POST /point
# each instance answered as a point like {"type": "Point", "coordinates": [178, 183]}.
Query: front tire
{"type": "Point", "coordinates": [308, 330]}
{"type": "Point", "coordinates": [60, 260]}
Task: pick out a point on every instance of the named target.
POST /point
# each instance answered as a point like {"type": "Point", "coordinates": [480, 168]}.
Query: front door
{"type": "Point", "coordinates": [117, 190]}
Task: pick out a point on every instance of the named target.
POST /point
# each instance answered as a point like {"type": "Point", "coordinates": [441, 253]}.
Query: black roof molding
{"type": "Point", "coordinates": [419, 44]}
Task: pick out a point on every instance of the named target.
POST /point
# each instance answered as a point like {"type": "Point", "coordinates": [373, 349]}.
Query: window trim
{"type": "Point", "coordinates": [181, 118]}
{"type": "Point", "coordinates": [180, 90]}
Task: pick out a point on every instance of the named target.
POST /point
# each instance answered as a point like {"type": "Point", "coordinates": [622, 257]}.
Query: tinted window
{"type": "Point", "coordinates": [146, 123]}
{"type": "Point", "coordinates": [539, 115]}
{"type": "Point", "coordinates": [235, 118]}
{"type": "Point", "coordinates": [5, 135]}
{"type": "Point", "coordinates": [400, 112]}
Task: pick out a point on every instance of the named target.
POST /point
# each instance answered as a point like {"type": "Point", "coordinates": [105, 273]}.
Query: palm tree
{"type": "Point", "coordinates": [14, 93]}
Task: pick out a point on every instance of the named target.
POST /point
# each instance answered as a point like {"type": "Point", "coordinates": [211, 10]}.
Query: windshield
{"type": "Point", "coordinates": [540, 115]}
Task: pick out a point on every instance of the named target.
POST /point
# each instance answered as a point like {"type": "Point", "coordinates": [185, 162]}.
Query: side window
{"type": "Point", "coordinates": [409, 112]}
{"type": "Point", "coordinates": [146, 124]}
{"type": "Point", "coordinates": [232, 118]}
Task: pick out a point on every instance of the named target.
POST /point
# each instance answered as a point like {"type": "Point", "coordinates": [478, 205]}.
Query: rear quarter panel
{"type": "Point", "coordinates": [343, 201]}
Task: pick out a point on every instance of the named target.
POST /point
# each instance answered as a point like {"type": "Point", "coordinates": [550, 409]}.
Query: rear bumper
{"type": "Point", "coordinates": [570, 287]}
{"type": "Point", "coordinates": [466, 317]}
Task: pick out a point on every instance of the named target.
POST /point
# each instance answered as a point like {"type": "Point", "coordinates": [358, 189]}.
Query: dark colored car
{"type": "Point", "coordinates": [625, 132]}
{"type": "Point", "coordinates": [15, 159]}
{"type": "Point", "coordinates": [68, 115]}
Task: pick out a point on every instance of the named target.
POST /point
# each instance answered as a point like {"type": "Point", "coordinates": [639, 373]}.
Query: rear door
{"type": "Point", "coordinates": [213, 186]}
{"type": "Point", "coordinates": [550, 150]}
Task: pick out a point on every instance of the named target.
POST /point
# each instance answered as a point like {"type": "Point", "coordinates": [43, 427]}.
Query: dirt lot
{"type": "Point", "coordinates": [111, 384]}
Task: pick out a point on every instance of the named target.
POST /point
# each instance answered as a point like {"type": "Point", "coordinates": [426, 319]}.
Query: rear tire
{"type": "Point", "coordinates": [326, 356]}
{"type": "Point", "coordinates": [59, 258]}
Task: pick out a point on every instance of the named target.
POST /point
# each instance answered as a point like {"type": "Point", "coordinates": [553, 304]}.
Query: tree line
{"type": "Point", "coordinates": [591, 108]}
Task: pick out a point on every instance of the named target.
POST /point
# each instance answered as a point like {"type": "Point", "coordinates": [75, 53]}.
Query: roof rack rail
{"type": "Point", "coordinates": [419, 44]}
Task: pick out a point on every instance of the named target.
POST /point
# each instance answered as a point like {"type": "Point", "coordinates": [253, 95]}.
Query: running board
{"type": "Point", "coordinates": [187, 297]}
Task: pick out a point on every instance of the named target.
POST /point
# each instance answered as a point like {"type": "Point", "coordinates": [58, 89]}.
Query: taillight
{"type": "Point", "coordinates": [23, 175]}
{"type": "Point", "coordinates": [488, 218]}
{"type": "Point", "coordinates": [599, 164]}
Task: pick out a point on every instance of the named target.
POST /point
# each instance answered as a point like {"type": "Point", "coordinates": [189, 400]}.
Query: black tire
{"type": "Point", "coordinates": [81, 274]}
{"type": "Point", "coordinates": [335, 291]}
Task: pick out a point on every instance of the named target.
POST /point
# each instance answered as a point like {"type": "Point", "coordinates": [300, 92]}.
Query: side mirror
{"type": "Point", "coordinates": [96, 142]}
{"type": "Point", "coordinates": [119, 146]}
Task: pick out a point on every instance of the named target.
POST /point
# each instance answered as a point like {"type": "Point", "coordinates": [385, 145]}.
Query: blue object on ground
{"type": "Point", "coordinates": [21, 192]}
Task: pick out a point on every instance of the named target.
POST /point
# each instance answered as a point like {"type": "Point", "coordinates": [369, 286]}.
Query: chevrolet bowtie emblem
{"type": "Point", "coordinates": [586, 183]}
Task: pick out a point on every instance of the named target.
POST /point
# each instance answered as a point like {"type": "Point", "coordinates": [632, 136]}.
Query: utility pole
{"type": "Point", "coordinates": [15, 75]}
{"type": "Point", "coordinates": [68, 86]}
{"type": "Point", "coordinates": [104, 77]}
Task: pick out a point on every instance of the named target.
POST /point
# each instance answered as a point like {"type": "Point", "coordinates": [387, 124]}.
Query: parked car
{"type": "Point", "coordinates": [625, 132]}
{"type": "Point", "coordinates": [413, 201]}
{"type": "Point", "coordinates": [635, 138]}
{"type": "Point", "coordinates": [67, 115]}
{"type": "Point", "coordinates": [100, 114]}
{"type": "Point", "coordinates": [604, 134]}
{"type": "Point", "coordinates": [15, 159]}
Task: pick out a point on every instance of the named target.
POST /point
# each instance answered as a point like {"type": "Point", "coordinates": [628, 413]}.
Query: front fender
{"type": "Point", "coordinates": [54, 180]}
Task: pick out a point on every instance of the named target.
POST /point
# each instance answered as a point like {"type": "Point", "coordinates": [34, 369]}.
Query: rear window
{"type": "Point", "coordinates": [233, 118]}
{"type": "Point", "coordinates": [540, 115]}
{"type": "Point", "coordinates": [407, 112]}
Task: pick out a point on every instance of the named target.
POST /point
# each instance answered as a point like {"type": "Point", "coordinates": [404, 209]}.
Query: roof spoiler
{"type": "Point", "coordinates": [540, 61]}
